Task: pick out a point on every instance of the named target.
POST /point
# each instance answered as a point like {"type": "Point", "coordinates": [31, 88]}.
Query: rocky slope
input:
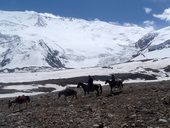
{"type": "Point", "coordinates": [140, 105]}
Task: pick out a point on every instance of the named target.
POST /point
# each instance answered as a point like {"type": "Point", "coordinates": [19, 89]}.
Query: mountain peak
{"type": "Point", "coordinates": [40, 22]}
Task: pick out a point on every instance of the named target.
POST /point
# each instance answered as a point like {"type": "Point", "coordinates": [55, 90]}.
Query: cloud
{"type": "Point", "coordinates": [148, 23]}
{"type": "Point", "coordinates": [164, 16]}
{"type": "Point", "coordinates": [147, 10]}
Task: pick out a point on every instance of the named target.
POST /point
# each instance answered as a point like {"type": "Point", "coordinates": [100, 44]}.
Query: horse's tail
{"type": "Point", "coordinates": [100, 88]}
{"type": "Point", "coordinates": [59, 95]}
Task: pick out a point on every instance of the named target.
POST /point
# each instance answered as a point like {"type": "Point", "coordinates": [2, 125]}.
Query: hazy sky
{"type": "Point", "coordinates": [141, 12]}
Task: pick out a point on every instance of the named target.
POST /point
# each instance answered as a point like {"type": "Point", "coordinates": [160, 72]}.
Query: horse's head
{"type": "Point", "coordinates": [79, 84]}
{"type": "Point", "coordinates": [107, 81]}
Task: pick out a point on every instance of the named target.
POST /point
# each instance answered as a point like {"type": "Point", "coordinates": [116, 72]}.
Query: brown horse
{"type": "Point", "coordinates": [19, 100]}
{"type": "Point", "coordinates": [87, 88]}
{"type": "Point", "coordinates": [116, 84]}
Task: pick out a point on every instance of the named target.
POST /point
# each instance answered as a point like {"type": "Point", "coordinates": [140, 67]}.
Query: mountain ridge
{"type": "Point", "coordinates": [69, 42]}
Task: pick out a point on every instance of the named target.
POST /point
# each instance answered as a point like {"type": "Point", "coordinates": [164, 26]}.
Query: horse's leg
{"type": "Point", "coordinates": [19, 107]}
{"type": "Point", "coordinates": [97, 92]}
{"type": "Point", "coordinates": [65, 98]}
{"type": "Point", "coordinates": [100, 89]}
{"type": "Point", "coordinates": [30, 103]}
{"type": "Point", "coordinates": [120, 86]}
{"type": "Point", "coordinates": [111, 87]}
{"type": "Point", "coordinates": [14, 106]}
{"type": "Point", "coordinates": [76, 96]}
{"type": "Point", "coordinates": [84, 93]}
{"type": "Point", "coordinates": [72, 97]}
{"type": "Point", "coordinates": [26, 104]}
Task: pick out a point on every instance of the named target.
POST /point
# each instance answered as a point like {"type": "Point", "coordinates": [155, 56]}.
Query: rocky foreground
{"type": "Point", "coordinates": [140, 105]}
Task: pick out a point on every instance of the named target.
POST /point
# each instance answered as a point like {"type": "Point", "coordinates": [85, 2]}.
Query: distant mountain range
{"type": "Point", "coordinates": [31, 39]}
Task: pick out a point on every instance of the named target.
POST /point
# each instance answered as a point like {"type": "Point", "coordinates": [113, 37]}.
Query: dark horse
{"type": "Point", "coordinates": [67, 92]}
{"type": "Point", "coordinates": [116, 84]}
{"type": "Point", "coordinates": [87, 88]}
{"type": "Point", "coordinates": [19, 100]}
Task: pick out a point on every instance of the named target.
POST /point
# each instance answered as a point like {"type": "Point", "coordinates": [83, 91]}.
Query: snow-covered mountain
{"type": "Point", "coordinates": [31, 39]}
{"type": "Point", "coordinates": [35, 39]}
{"type": "Point", "coordinates": [155, 45]}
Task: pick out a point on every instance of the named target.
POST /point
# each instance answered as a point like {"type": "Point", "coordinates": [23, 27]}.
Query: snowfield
{"type": "Point", "coordinates": [155, 61]}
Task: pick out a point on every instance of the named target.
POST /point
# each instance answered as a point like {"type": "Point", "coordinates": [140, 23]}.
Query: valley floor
{"type": "Point", "coordinates": [140, 105]}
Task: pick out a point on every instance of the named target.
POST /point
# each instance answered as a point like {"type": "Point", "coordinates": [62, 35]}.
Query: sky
{"type": "Point", "coordinates": [141, 12]}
